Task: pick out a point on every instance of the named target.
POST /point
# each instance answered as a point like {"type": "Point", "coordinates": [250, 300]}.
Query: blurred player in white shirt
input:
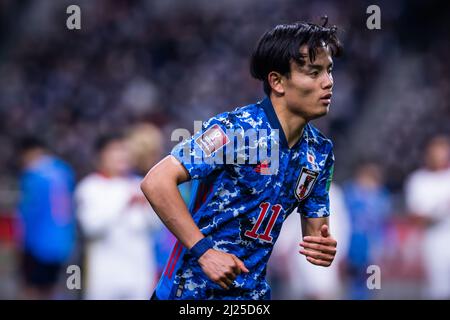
{"type": "Point", "coordinates": [116, 222]}
{"type": "Point", "coordinates": [303, 280]}
{"type": "Point", "coordinates": [428, 198]}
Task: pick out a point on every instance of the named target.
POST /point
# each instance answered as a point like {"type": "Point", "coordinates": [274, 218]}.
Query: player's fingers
{"type": "Point", "coordinates": [318, 262]}
{"type": "Point", "coordinates": [240, 264]}
{"type": "Point", "coordinates": [222, 284]}
{"type": "Point", "coordinates": [228, 282]}
{"type": "Point", "coordinates": [320, 240]}
{"type": "Point", "coordinates": [220, 281]}
{"type": "Point", "coordinates": [231, 274]}
{"type": "Point", "coordinates": [312, 239]}
{"type": "Point", "coordinates": [235, 266]}
{"type": "Point", "coordinates": [317, 255]}
{"type": "Point", "coordinates": [332, 242]}
{"type": "Point", "coordinates": [319, 247]}
{"type": "Point", "coordinates": [237, 269]}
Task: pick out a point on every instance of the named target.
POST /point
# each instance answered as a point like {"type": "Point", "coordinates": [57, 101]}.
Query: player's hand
{"type": "Point", "coordinates": [221, 267]}
{"type": "Point", "coordinates": [319, 250]}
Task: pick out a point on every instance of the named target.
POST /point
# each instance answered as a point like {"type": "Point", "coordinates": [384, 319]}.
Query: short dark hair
{"type": "Point", "coordinates": [30, 142]}
{"type": "Point", "coordinates": [278, 46]}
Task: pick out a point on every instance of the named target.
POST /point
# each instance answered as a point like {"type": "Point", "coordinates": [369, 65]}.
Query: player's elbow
{"type": "Point", "coordinates": [162, 178]}
{"type": "Point", "coordinates": [154, 184]}
{"type": "Point", "coordinates": [148, 186]}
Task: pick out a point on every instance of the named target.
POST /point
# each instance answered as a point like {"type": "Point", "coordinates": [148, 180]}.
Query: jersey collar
{"type": "Point", "coordinates": [273, 120]}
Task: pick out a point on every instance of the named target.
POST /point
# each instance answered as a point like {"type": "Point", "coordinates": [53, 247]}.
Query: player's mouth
{"type": "Point", "coordinates": [326, 98]}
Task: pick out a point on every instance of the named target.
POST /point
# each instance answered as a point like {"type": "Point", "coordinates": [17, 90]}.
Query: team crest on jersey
{"type": "Point", "coordinates": [305, 183]}
{"type": "Point", "coordinates": [212, 140]}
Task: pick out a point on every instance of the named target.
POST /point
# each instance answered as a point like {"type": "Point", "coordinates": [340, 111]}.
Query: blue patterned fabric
{"type": "Point", "coordinates": [242, 193]}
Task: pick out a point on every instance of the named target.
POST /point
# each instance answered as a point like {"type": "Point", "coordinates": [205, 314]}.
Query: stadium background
{"type": "Point", "coordinates": [172, 62]}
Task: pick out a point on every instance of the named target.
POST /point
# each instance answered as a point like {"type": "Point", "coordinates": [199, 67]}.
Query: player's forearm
{"type": "Point", "coordinates": [312, 226]}
{"type": "Point", "coordinates": [318, 245]}
{"type": "Point", "coordinates": [166, 200]}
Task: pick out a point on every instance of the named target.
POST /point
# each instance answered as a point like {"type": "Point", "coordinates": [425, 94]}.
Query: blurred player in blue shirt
{"type": "Point", "coordinates": [46, 220]}
{"type": "Point", "coordinates": [369, 205]}
{"type": "Point", "coordinates": [251, 168]}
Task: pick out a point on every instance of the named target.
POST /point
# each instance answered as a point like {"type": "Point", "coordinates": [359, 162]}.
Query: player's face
{"type": "Point", "coordinates": [437, 156]}
{"type": "Point", "coordinates": [308, 89]}
{"type": "Point", "coordinates": [114, 159]}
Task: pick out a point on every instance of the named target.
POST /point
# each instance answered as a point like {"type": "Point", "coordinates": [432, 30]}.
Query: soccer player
{"type": "Point", "coordinates": [427, 193]}
{"type": "Point", "coordinates": [118, 227]}
{"type": "Point", "coordinates": [244, 191]}
{"type": "Point", "coordinates": [46, 224]}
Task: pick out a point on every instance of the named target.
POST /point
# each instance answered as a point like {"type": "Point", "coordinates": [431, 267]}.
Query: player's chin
{"type": "Point", "coordinates": [325, 104]}
{"type": "Point", "coordinates": [320, 111]}
{"type": "Point", "coordinates": [325, 110]}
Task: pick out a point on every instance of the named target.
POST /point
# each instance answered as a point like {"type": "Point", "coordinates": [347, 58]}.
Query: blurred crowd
{"type": "Point", "coordinates": [85, 113]}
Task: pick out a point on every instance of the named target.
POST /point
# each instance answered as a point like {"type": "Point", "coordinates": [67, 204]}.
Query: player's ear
{"type": "Point", "coordinates": [276, 82]}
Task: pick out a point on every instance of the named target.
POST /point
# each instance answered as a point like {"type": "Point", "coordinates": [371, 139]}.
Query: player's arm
{"type": "Point", "coordinates": [319, 247]}
{"type": "Point", "coordinates": [160, 188]}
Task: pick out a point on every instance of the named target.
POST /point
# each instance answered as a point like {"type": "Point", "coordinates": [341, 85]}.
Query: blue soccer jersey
{"type": "Point", "coordinates": [246, 182]}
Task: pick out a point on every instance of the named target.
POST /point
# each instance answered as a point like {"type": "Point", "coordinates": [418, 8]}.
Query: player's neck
{"type": "Point", "coordinates": [291, 124]}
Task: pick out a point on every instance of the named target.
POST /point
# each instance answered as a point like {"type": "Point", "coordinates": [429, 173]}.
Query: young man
{"type": "Point", "coordinates": [240, 199]}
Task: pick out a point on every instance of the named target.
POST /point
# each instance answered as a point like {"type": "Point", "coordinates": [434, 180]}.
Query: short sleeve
{"type": "Point", "coordinates": [317, 205]}
{"type": "Point", "coordinates": [206, 151]}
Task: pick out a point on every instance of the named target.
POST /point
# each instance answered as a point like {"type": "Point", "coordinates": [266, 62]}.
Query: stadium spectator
{"type": "Point", "coordinates": [369, 206]}
{"type": "Point", "coordinates": [145, 142]}
{"type": "Point", "coordinates": [45, 219]}
{"type": "Point", "coordinates": [427, 194]}
{"type": "Point", "coordinates": [292, 277]}
{"type": "Point", "coordinates": [116, 222]}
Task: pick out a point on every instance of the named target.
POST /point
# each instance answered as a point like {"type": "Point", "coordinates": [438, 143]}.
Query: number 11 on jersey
{"type": "Point", "coordinates": [276, 209]}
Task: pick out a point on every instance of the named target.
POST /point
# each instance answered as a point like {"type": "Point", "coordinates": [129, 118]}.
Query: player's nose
{"type": "Point", "coordinates": [327, 82]}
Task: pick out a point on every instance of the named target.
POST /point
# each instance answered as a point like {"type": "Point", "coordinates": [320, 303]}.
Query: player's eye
{"type": "Point", "coordinates": [314, 73]}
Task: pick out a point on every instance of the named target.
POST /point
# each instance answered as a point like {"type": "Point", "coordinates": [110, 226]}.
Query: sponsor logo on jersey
{"type": "Point", "coordinates": [212, 140]}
